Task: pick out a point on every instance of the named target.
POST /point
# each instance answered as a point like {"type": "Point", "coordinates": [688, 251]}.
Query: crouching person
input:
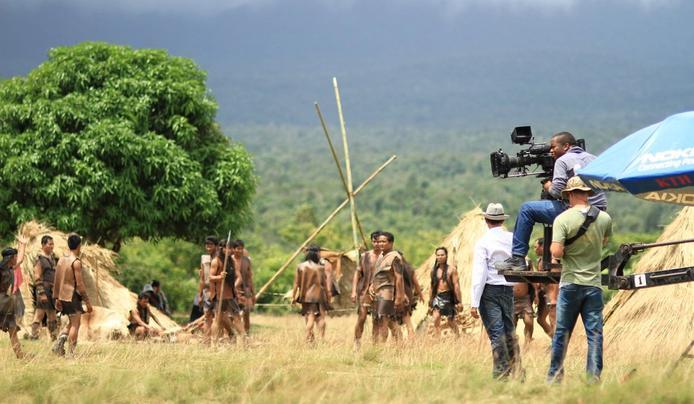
{"type": "Point", "coordinates": [139, 319]}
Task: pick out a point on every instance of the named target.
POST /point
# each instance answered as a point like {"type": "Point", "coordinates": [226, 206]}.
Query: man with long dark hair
{"type": "Point", "coordinates": [312, 290]}
{"type": "Point", "coordinates": [230, 312]}
{"type": "Point", "coordinates": [445, 291]}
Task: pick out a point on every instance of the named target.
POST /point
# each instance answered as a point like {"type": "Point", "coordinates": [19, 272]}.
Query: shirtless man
{"type": "Point", "coordinates": [544, 311]}
{"type": "Point", "coordinates": [139, 319]}
{"type": "Point", "coordinates": [445, 292]}
{"type": "Point", "coordinates": [387, 286]}
{"type": "Point", "coordinates": [204, 284]}
{"type": "Point", "coordinates": [360, 288]}
{"type": "Point", "coordinates": [44, 278]}
{"type": "Point", "coordinates": [522, 308]}
{"type": "Point", "coordinates": [312, 289]}
{"type": "Point", "coordinates": [230, 314]}
{"type": "Point", "coordinates": [244, 282]}
{"type": "Point", "coordinates": [11, 259]}
{"type": "Point", "coordinates": [69, 293]}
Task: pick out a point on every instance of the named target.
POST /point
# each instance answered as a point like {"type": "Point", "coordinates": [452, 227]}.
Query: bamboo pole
{"type": "Point", "coordinates": [321, 227]}
{"type": "Point", "coordinates": [348, 165]}
{"type": "Point", "coordinates": [339, 168]}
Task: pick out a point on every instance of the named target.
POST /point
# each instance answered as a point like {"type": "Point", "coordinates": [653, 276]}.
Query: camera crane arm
{"type": "Point", "coordinates": [615, 264]}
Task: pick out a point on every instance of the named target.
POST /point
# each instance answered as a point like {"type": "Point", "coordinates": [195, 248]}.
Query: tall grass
{"type": "Point", "coordinates": [279, 367]}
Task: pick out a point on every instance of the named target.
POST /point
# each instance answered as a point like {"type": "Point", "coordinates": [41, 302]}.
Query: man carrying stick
{"type": "Point", "coordinates": [223, 277]}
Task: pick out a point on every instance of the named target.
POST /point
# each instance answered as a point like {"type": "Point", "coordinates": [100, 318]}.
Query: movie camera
{"type": "Point", "coordinates": [536, 154]}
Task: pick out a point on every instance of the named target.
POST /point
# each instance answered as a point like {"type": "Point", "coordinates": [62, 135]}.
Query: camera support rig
{"type": "Point", "coordinates": [615, 263]}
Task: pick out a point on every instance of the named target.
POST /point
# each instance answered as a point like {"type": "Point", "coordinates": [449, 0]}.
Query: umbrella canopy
{"type": "Point", "coordinates": [655, 163]}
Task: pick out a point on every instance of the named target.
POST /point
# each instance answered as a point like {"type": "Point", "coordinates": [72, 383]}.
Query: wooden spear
{"type": "Point", "coordinates": [345, 145]}
{"type": "Point", "coordinates": [321, 227]}
{"type": "Point", "coordinates": [218, 309]}
{"type": "Point", "coordinates": [339, 168]}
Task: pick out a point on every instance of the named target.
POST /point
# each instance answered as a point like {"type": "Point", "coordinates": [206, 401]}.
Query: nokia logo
{"type": "Point", "coordinates": [682, 199]}
{"type": "Point", "coordinates": [667, 155]}
{"type": "Point", "coordinates": [606, 186]}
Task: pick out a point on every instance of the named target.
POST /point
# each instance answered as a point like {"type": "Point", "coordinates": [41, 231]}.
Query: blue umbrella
{"type": "Point", "coordinates": [655, 163]}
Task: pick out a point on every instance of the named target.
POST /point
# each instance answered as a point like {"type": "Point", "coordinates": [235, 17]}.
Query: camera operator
{"type": "Point", "coordinates": [568, 157]}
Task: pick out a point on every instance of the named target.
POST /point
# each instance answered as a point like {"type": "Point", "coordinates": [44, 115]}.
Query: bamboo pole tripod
{"type": "Point", "coordinates": [322, 226]}
{"type": "Point", "coordinates": [348, 165]}
{"type": "Point", "coordinates": [347, 184]}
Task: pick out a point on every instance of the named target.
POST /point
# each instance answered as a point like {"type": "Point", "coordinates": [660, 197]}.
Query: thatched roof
{"type": "Point", "coordinates": [344, 265]}
{"type": "Point", "coordinates": [112, 301]}
{"type": "Point", "coordinates": [460, 244]}
{"type": "Point", "coordinates": [656, 322]}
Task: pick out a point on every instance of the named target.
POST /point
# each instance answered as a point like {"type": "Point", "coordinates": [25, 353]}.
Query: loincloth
{"type": "Point", "coordinates": [312, 308]}
{"type": "Point", "coordinates": [72, 307]}
{"type": "Point", "coordinates": [522, 305]}
{"type": "Point", "coordinates": [443, 302]}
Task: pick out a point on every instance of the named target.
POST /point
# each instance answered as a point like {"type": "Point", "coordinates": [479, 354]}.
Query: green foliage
{"type": "Point", "coordinates": [173, 262]}
{"type": "Point", "coordinates": [114, 143]}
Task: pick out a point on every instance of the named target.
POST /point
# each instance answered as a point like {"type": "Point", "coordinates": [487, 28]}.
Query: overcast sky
{"type": "Point", "coordinates": [266, 49]}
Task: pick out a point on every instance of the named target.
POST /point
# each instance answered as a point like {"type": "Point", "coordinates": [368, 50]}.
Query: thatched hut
{"type": "Point", "coordinates": [460, 244]}
{"type": "Point", "coordinates": [111, 300]}
{"type": "Point", "coordinates": [655, 323]}
{"type": "Point", "coordinates": [344, 265]}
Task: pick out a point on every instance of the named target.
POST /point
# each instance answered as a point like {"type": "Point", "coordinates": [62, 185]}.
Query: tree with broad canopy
{"type": "Point", "coordinates": [113, 142]}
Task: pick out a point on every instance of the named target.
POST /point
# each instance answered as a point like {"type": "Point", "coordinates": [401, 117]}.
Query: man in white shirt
{"type": "Point", "coordinates": [492, 295]}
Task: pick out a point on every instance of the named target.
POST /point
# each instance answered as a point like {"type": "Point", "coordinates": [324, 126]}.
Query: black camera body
{"type": "Point", "coordinates": [536, 154]}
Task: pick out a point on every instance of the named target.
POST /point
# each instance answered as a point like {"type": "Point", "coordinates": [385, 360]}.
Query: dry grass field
{"type": "Point", "coordinates": [279, 367]}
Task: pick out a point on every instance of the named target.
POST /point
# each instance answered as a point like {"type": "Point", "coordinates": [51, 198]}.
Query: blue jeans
{"type": "Point", "coordinates": [544, 211]}
{"type": "Point", "coordinates": [496, 310]}
{"type": "Point", "coordinates": [574, 300]}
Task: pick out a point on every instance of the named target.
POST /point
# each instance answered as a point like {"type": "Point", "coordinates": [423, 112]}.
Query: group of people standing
{"type": "Point", "coordinates": [225, 289]}
{"type": "Point", "coordinates": [59, 288]}
{"type": "Point", "coordinates": [386, 287]}
{"type": "Point", "coordinates": [580, 229]}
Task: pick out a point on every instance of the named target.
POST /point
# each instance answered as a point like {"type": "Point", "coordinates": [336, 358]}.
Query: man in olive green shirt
{"type": "Point", "coordinates": [579, 288]}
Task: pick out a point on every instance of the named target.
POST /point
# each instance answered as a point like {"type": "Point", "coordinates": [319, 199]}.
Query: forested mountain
{"type": "Point", "coordinates": [438, 175]}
